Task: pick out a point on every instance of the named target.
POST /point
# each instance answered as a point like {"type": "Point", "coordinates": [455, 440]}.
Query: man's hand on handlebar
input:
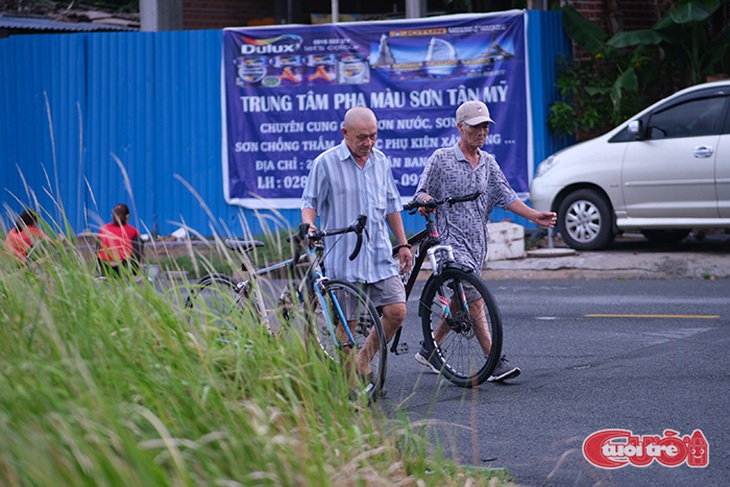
{"type": "Point", "coordinates": [425, 203]}
{"type": "Point", "coordinates": [312, 227]}
{"type": "Point", "coordinates": [425, 210]}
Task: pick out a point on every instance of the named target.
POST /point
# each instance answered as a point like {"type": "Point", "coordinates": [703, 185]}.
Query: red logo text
{"type": "Point", "coordinates": [614, 448]}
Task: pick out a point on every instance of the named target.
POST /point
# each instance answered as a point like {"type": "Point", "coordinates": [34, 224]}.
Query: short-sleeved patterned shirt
{"type": "Point", "coordinates": [339, 190]}
{"type": "Point", "coordinates": [464, 225]}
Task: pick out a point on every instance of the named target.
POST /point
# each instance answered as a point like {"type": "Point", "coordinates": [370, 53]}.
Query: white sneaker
{"type": "Point", "coordinates": [504, 370]}
{"type": "Point", "coordinates": [421, 359]}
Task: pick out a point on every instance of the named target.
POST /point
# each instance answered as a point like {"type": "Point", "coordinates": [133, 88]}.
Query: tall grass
{"type": "Point", "coordinates": [113, 383]}
{"type": "Point", "coordinates": [110, 383]}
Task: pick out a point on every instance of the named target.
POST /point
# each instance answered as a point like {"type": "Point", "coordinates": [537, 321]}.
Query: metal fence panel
{"type": "Point", "coordinates": [40, 140]}
{"type": "Point", "coordinates": [93, 119]}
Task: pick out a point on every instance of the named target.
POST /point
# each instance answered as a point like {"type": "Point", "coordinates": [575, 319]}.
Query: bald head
{"type": "Point", "coordinates": [359, 116]}
{"type": "Point", "coordinates": [361, 132]}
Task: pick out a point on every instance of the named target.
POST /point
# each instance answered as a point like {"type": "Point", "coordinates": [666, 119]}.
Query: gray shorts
{"type": "Point", "coordinates": [381, 293]}
{"type": "Point", "coordinates": [385, 292]}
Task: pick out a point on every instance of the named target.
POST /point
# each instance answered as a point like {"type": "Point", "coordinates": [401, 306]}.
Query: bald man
{"type": "Point", "coordinates": [354, 178]}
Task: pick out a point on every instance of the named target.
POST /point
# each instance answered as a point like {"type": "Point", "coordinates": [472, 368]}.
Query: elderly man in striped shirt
{"type": "Point", "coordinates": [348, 180]}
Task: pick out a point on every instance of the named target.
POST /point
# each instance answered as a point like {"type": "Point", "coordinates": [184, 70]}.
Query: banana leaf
{"type": "Point", "coordinates": [691, 11]}
{"type": "Point", "coordinates": [582, 31]}
{"type": "Point", "coordinates": [636, 37]}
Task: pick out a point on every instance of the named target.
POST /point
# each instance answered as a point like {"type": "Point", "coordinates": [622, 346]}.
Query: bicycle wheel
{"type": "Point", "coordinates": [216, 299]}
{"type": "Point", "coordinates": [341, 300]}
{"type": "Point", "coordinates": [455, 337]}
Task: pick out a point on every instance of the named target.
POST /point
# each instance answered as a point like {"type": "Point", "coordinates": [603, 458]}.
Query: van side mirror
{"type": "Point", "coordinates": [634, 129]}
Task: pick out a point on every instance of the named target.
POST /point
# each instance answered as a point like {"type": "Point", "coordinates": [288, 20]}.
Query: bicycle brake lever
{"type": "Point", "coordinates": [359, 228]}
{"type": "Point", "coordinates": [297, 239]}
{"type": "Point", "coordinates": [358, 245]}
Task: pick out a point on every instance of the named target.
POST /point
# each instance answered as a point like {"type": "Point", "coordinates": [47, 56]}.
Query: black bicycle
{"type": "Point", "coordinates": [335, 314]}
{"type": "Point", "coordinates": [460, 319]}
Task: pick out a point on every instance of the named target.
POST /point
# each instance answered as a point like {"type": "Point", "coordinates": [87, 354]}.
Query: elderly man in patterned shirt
{"type": "Point", "coordinates": [348, 180]}
{"type": "Point", "coordinates": [464, 169]}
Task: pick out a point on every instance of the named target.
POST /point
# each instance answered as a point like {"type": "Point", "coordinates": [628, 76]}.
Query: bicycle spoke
{"type": "Point", "coordinates": [343, 301]}
{"type": "Point", "coordinates": [216, 304]}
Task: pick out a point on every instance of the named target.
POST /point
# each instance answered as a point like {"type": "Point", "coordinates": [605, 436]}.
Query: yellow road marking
{"type": "Point", "coordinates": [601, 315]}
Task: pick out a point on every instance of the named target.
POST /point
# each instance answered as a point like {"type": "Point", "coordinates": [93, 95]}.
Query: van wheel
{"type": "Point", "coordinates": [585, 220]}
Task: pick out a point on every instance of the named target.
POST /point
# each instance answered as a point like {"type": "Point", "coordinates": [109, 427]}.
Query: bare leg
{"type": "Point", "coordinates": [393, 316]}
{"type": "Point", "coordinates": [478, 314]}
{"type": "Point", "coordinates": [348, 356]}
{"type": "Point", "coordinates": [481, 326]}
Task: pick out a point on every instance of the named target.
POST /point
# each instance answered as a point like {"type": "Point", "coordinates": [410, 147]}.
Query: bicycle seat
{"type": "Point", "coordinates": [242, 245]}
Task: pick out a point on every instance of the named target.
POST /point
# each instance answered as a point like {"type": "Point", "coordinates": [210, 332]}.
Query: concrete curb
{"type": "Point", "coordinates": [614, 265]}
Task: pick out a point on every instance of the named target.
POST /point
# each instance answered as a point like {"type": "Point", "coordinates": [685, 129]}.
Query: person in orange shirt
{"type": "Point", "coordinates": [120, 244]}
{"type": "Point", "coordinates": [24, 236]}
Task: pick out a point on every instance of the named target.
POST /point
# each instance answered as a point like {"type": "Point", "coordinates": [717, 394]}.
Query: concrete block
{"type": "Point", "coordinates": [506, 241]}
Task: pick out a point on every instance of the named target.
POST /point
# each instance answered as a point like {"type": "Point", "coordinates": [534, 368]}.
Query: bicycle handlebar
{"type": "Point", "coordinates": [414, 204]}
{"type": "Point", "coordinates": [357, 226]}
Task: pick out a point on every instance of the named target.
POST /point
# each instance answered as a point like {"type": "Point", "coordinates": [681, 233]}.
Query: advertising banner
{"type": "Point", "coordinates": [286, 90]}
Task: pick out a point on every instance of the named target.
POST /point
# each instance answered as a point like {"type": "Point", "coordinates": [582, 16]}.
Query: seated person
{"type": "Point", "coordinates": [26, 234]}
{"type": "Point", "coordinates": [120, 244]}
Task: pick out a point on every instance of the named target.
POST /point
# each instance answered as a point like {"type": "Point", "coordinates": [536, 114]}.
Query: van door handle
{"type": "Point", "coordinates": [703, 151]}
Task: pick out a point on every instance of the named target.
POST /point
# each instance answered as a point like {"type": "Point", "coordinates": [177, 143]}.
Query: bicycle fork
{"type": "Point", "coordinates": [447, 254]}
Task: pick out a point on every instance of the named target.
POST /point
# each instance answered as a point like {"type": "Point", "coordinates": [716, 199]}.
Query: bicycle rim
{"type": "Point", "coordinates": [216, 303]}
{"type": "Point", "coordinates": [460, 354]}
{"type": "Point", "coordinates": [342, 299]}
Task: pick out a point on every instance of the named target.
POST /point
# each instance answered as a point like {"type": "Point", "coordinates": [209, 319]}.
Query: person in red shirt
{"type": "Point", "coordinates": [120, 244]}
{"type": "Point", "coordinates": [24, 236]}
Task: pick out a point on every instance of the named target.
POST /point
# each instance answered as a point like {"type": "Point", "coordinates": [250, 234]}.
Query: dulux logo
{"type": "Point", "coordinates": [283, 44]}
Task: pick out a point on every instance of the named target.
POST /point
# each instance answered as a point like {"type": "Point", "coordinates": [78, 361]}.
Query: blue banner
{"type": "Point", "coordinates": [286, 90]}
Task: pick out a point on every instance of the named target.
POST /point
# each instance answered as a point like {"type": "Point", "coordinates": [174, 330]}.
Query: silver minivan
{"type": "Point", "coordinates": [663, 172]}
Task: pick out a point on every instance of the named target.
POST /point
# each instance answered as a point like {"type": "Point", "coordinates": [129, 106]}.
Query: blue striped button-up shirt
{"type": "Point", "coordinates": [339, 190]}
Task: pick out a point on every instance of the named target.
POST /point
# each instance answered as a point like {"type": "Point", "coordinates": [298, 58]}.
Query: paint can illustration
{"type": "Point", "coordinates": [251, 70]}
{"type": "Point", "coordinates": [352, 69]}
{"type": "Point", "coordinates": [322, 68]}
{"type": "Point", "coordinates": [288, 68]}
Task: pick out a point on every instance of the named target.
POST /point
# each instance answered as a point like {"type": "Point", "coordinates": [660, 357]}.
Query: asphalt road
{"type": "Point", "coordinates": [637, 355]}
{"type": "Point", "coordinates": [595, 354]}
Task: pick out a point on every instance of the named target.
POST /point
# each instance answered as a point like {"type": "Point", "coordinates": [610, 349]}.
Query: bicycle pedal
{"type": "Point", "coordinates": [401, 349]}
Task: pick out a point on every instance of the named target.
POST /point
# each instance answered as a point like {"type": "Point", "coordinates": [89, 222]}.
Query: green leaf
{"type": "Point", "coordinates": [635, 37]}
{"type": "Point", "coordinates": [583, 32]}
{"type": "Point", "coordinates": [693, 11]}
{"type": "Point", "coordinates": [597, 90]}
{"type": "Point", "coordinates": [628, 80]}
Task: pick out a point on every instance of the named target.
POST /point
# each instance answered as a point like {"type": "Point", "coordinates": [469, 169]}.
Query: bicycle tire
{"type": "Point", "coordinates": [368, 321]}
{"type": "Point", "coordinates": [217, 299]}
{"type": "Point", "coordinates": [459, 356]}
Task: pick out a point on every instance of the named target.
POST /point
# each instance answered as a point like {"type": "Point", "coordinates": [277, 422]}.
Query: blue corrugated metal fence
{"type": "Point", "coordinates": [89, 120]}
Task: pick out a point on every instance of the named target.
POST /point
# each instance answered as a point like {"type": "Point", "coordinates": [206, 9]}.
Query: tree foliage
{"type": "Point", "coordinates": [633, 69]}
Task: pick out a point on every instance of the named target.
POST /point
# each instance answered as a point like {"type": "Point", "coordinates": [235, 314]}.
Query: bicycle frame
{"type": "Point", "coordinates": [428, 245]}
{"type": "Point", "coordinates": [325, 303]}
{"type": "Point", "coordinates": [313, 279]}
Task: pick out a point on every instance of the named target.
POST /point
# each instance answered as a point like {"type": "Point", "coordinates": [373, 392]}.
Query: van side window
{"type": "Point", "coordinates": [690, 119]}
